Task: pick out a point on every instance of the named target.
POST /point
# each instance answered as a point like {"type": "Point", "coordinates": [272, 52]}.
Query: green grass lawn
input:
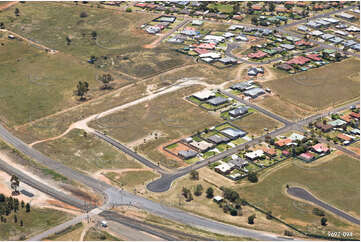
{"type": "Point", "coordinates": [86, 153]}
{"type": "Point", "coordinates": [335, 182]}
{"type": "Point", "coordinates": [224, 8]}
{"type": "Point", "coordinates": [36, 221]}
{"type": "Point", "coordinates": [95, 234]}
{"type": "Point", "coordinates": [34, 84]}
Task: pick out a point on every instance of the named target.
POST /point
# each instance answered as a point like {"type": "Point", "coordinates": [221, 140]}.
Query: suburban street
{"type": "Point", "coordinates": [301, 193]}
{"type": "Point", "coordinates": [115, 196]}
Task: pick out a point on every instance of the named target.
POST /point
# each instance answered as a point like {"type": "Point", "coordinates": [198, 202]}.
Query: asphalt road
{"type": "Point", "coordinates": [305, 195]}
{"type": "Point", "coordinates": [115, 196]}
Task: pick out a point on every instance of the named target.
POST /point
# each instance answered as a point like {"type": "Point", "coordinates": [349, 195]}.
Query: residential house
{"type": "Point", "coordinates": [242, 86]}
{"type": "Point", "coordinates": [204, 95]}
{"type": "Point", "coordinates": [270, 152]}
{"type": "Point", "coordinates": [337, 123]}
{"type": "Point", "coordinates": [233, 133]}
{"type": "Point", "coordinates": [299, 60]}
{"type": "Point", "coordinates": [324, 127]}
{"type": "Point", "coordinates": [216, 101]}
{"type": "Point", "coordinates": [238, 163]}
{"type": "Point", "coordinates": [321, 148]}
{"type": "Point", "coordinates": [254, 155]}
{"type": "Point", "coordinates": [238, 111]}
{"type": "Point", "coordinates": [187, 154]}
{"type": "Point", "coordinates": [303, 28]}
{"type": "Point", "coordinates": [257, 55]}
{"type": "Point", "coordinates": [316, 33]}
{"type": "Point", "coordinates": [283, 143]}
{"type": "Point", "coordinates": [307, 157]}
{"type": "Point", "coordinates": [345, 16]}
{"type": "Point", "coordinates": [296, 137]}
{"type": "Point", "coordinates": [218, 139]}
{"type": "Point", "coordinates": [228, 60]}
{"type": "Point", "coordinates": [224, 168]}
{"type": "Point", "coordinates": [254, 92]}
{"type": "Point", "coordinates": [345, 138]}
{"type": "Point", "coordinates": [287, 46]}
{"type": "Point", "coordinates": [197, 22]}
{"type": "Point", "coordinates": [202, 146]}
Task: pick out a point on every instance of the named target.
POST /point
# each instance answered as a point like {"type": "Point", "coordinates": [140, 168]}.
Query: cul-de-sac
{"type": "Point", "coordinates": [179, 120]}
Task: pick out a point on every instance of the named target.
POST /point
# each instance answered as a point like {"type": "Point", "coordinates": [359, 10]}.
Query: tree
{"type": "Point", "coordinates": [106, 79]}
{"type": "Point", "coordinates": [128, 10]}
{"type": "Point", "coordinates": [338, 56]}
{"type": "Point", "coordinates": [252, 177]}
{"type": "Point", "coordinates": [2, 25]}
{"type": "Point", "coordinates": [82, 89]}
{"type": "Point", "coordinates": [269, 215]}
{"type": "Point", "coordinates": [288, 233]}
{"type": "Point", "coordinates": [21, 223]}
{"type": "Point", "coordinates": [198, 191]}
{"type": "Point", "coordinates": [271, 7]}
{"type": "Point", "coordinates": [324, 221]}
{"type": "Point", "coordinates": [210, 192]}
{"type": "Point", "coordinates": [17, 12]}
{"type": "Point", "coordinates": [83, 15]}
{"type": "Point", "coordinates": [254, 20]}
{"type": "Point", "coordinates": [15, 219]}
{"type": "Point", "coordinates": [194, 175]}
{"type": "Point", "coordinates": [94, 35]}
{"type": "Point", "coordinates": [68, 40]}
{"type": "Point", "coordinates": [251, 219]}
{"type": "Point", "coordinates": [22, 204]}
{"type": "Point", "coordinates": [2, 198]}
{"type": "Point", "coordinates": [14, 180]}
{"type": "Point", "coordinates": [27, 207]}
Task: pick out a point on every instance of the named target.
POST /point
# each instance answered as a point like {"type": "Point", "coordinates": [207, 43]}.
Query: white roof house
{"type": "Point", "coordinates": [254, 154]}
{"type": "Point", "coordinates": [316, 33]}
{"type": "Point", "coordinates": [197, 22]}
{"type": "Point", "coordinates": [201, 145]}
{"type": "Point", "coordinates": [212, 55]}
{"type": "Point", "coordinates": [296, 136]}
{"type": "Point", "coordinates": [228, 35]}
{"type": "Point", "coordinates": [214, 38]}
{"type": "Point", "coordinates": [218, 199]}
{"type": "Point", "coordinates": [203, 95]}
{"type": "Point", "coordinates": [224, 167]}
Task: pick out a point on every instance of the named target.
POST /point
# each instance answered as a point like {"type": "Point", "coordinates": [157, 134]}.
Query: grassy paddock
{"type": "Point", "coordinates": [87, 153]}
{"type": "Point", "coordinates": [322, 87]}
{"type": "Point", "coordinates": [95, 234]}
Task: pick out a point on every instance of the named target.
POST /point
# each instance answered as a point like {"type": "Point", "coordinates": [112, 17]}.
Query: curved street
{"type": "Point", "coordinates": [305, 195]}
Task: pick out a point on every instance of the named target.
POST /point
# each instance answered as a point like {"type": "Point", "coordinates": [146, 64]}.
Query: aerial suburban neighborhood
{"type": "Point", "coordinates": [179, 120]}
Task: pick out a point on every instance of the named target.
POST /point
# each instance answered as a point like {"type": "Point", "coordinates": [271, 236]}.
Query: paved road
{"type": "Point", "coordinates": [305, 195]}
{"type": "Point", "coordinates": [129, 152]}
{"type": "Point", "coordinates": [316, 17]}
{"type": "Point", "coordinates": [258, 108]}
{"type": "Point", "coordinates": [114, 196]}
{"type": "Point", "coordinates": [161, 232]}
{"type": "Point", "coordinates": [164, 182]}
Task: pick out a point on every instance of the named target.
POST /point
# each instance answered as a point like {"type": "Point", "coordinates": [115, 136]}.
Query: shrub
{"type": "Point", "coordinates": [128, 10]}
{"type": "Point", "coordinates": [252, 177]}
{"type": "Point", "coordinates": [198, 191]}
{"type": "Point", "coordinates": [324, 221]}
{"type": "Point", "coordinates": [83, 15]}
{"type": "Point", "coordinates": [318, 212]}
{"type": "Point", "coordinates": [288, 233]}
{"type": "Point", "coordinates": [251, 219]}
{"type": "Point", "coordinates": [210, 192]}
{"type": "Point", "coordinates": [194, 175]}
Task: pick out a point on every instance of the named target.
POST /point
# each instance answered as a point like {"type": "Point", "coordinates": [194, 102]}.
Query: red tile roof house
{"type": "Point", "coordinates": [344, 137]}
{"type": "Point", "coordinates": [346, 118]}
{"type": "Point", "coordinates": [270, 152]}
{"type": "Point", "coordinates": [299, 60]}
{"type": "Point", "coordinates": [303, 42]}
{"type": "Point", "coordinates": [285, 67]}
{"type": "Point", "coordinates": [256, 7]}
{"type": "Point", "coordinates": [315, 57]}
{"type": "Point", "coordinates": [285, 153]}
{"type": "Point", "coordinates": [201, 51]}
{"type": "Point", "coordinates": [321, 148]}
{"type": "Point", "coordinates": [208, 46]}
{"type": "Point", "coordinates": [141, 5]}
{"type": "Point", "coordinates": [355, 115]}
{"type": "Point", "coordinates": [307, 156]}
{"type": "Point", "coordinates": [282, 143]}
{"type": "Point", "coordinates": [257, 55]}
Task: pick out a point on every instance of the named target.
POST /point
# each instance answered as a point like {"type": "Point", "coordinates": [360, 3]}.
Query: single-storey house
{"type": "Point", "coordinates": [345, 16]}
{"type": "Point", "coordinates": [187, 154]}
{"type": "Point", "coordinates": [324, 127]}
{"type": "Point", "coordinates": [228, 60]}
{"type": "Point", "coordinates": [233, 133]}
{"type": "Point", "coordinates": [321, 148]}
{"type": "Point", "coordinates": [270, 152]}
{"type": "Point", "coordinates": [241, 86]}
{"type": "Point", "coordinates": [299, 60]}
{"type": "Point", "coordinates": [238, 111]}
{"type": "Point", "coordinates": [218, 139]}
{"type": "Point", "coordinates": [295, 137]}
{"type": "Point", "coordinates": [212, 55]}
{"type": "Point", "coordinates": [224, 168]}
{"type": "Point", "coordinates": [316, 33]}
{"type": "Point", "coordinates": [303, 28]}
{"type": "Point", "coordinates": [218, 199]}
{"type": "Point", "coordinates": [336, 40]}
{"type": "Point", "coordinates": [337, 123]}
{"type": "Point", "coordinates": [238, 162]}
{"type": "Point", "coordinates": [355, 115]}
{"type": "Point", "coordinates": [254, 154]}
{"type": "Point", "coordinates": [327, 36]}
{"type": "Point", "coordinates": [204, 95]}
{"type": "Point", "coordinates": [282, 143]}
{"type": "Point", "coordinates": [287, 46]}
{"type": "Point", "coordinates": [197, 22]}
{"type": "Point", "coordinates": [284, 66]}
{"type": "Point", "coordinates": [201, 145]}
{"type": "Point", "coordinates": [307, 156]}
{"type": "Point", "coordinates": [217, 101]}
{"type": "Point", "coordinates": [257, 55]}
{"type": "Point", "coordinates": [254, 92]}
{"type": "Point", "coordinates": [242, 38]}
{"type": "Point", "coordinates": [355, 131]}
